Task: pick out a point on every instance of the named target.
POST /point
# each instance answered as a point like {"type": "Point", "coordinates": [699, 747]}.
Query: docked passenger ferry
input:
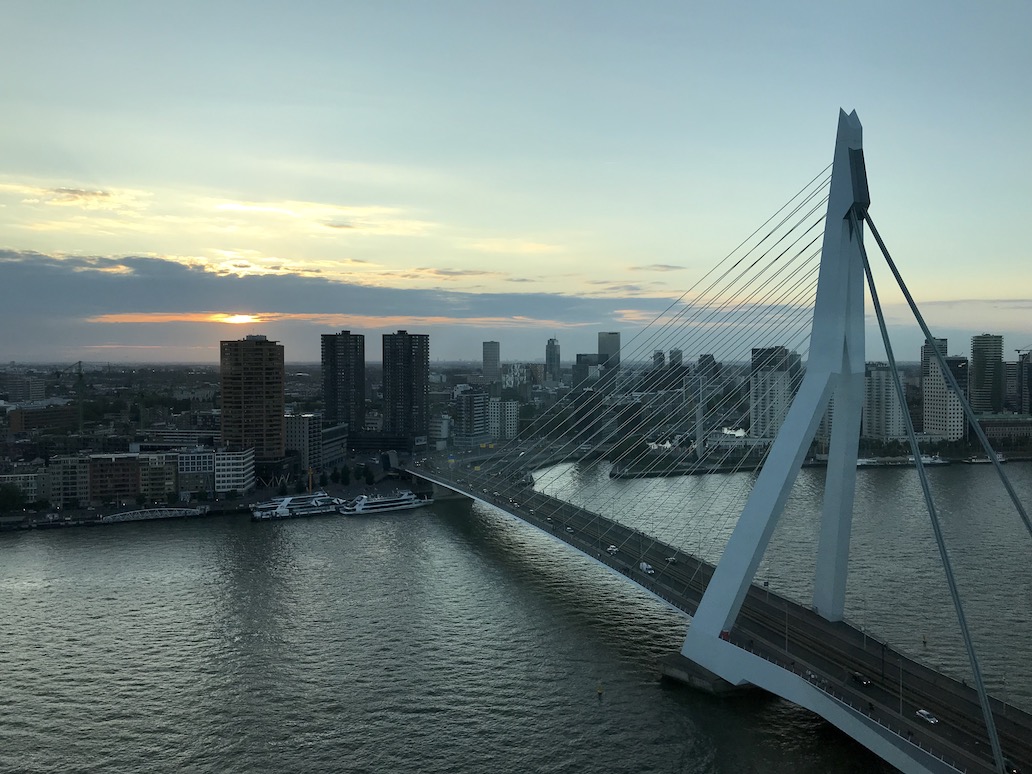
{"type": "Point", "coordinates": [402, 500]}
{"type": "Point", "coordinates": [296, 506]}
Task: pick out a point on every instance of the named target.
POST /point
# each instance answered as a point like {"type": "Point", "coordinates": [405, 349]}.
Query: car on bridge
{"type": "Point", "coordinates": [612, 550]}
{"type": "Point", "coordinates": [860, 679]}
{"type": "Point", "coordinates": [646, 568]}
{"type": "Point", "coordinates": [927, 716]}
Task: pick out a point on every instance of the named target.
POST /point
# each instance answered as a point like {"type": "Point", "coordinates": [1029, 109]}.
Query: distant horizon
{"type": "Point", "coordinates": [311, 363]}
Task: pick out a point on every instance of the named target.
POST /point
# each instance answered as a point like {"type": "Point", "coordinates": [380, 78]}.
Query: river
{"type": "Point", "coordinates": [447, 639]}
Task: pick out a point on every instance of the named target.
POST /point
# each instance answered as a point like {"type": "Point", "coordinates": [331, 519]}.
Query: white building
{"type": "Point", "coordinates": [305, 438]}
{"type": "Point", "coordinates": [884, 417]}
{"type": "Point", "coordinates": [942, 410]}
{"type": "Point", "coordinates": [470, 427]}
{"type": "Point", "coordinates": [770, 396]}
{"type": "Point", "coordinates": [516, 375]}
{"type": "Point", "coordinates": [774, 376]}
{"type": "Point", "coordinates": [440, 431]}
{"type": "Point", "coordinates": [215, 471]}
{"type": "Point", "coordinates": [503, 419]}
{"type": "Point", "coordinates": [234, 471]}
{"type": "Point", "coordinates": [28, 483]}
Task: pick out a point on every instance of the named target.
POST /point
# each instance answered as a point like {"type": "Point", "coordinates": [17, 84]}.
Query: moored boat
{"type": "Point", "coordinates": [930, 459]}
{"type": "Point", "coordinates": [985, 460]}
{"type": "Point", "coordinates": [402, 500]}
{"type": "Point", "coordinates": [296, 506]}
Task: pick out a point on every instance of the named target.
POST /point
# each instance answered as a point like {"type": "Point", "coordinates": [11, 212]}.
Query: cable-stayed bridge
{"type": "Point", "coordinates": [778, 331]}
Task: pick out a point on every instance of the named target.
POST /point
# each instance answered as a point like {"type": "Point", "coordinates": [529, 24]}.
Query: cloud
{"type": "Point", "coordinates": [121, 199]}
{"type": "Point", "coordinates": [657, 267]}
{"type": "Point", "coordinates": [430, 271]}
{"type": "Point", "coordinates": [325, 319]}
{"type": "Point", "coordinates": [64, 304]}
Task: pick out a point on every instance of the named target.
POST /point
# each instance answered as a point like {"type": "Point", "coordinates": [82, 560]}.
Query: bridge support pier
{"type": "Point", "coordinates": [444, 493]}
{"type": "Point", "coordinates": [683, 670]}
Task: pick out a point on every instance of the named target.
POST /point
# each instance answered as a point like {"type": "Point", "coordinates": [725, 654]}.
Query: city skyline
{"type": "Point", "coordinates": [482, 172]}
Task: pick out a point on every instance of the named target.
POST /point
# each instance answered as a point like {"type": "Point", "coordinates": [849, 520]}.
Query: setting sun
{"type": "Point", "coordinates": [236, 319]}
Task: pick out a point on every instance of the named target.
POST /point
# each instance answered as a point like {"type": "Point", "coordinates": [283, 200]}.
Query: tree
{"type": "Point", "coordinates": [335, 475]}
{"type": "Point", "coordinates": [370, 477]}
{"type": "Point", "coordinates": [299, 487]}
{"type": "Point", "coordinates": [323, 479]}
{"type": "Point", "coordinates": [11, 498]}
{"type": "Point", "coordinates": [282, 491]}
{"type": "Point", "coordinates": [345, 475]}
{"type": "Point", "coordinates": [171, 498]}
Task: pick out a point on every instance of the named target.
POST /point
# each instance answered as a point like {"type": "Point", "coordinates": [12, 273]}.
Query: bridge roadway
{"type": "Point", "coordinates": [881, 684]}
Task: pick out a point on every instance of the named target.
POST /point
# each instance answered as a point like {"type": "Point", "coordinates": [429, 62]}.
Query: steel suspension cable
{"type": "Point", "coordinates": [940, 541]}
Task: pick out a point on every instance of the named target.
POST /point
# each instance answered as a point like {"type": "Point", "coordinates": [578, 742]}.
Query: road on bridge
{"type": "Point", "coordinates": [867, 675]}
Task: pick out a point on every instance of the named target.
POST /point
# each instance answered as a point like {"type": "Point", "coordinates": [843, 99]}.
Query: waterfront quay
{"type": "Point", "coordinates": [220, 507]}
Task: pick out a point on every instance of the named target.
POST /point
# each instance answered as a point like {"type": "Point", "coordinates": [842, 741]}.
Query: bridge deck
{"type": "Point", "coordinates": [843, 661]}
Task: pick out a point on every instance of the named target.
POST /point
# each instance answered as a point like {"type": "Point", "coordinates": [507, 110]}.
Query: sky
{"type": "Point", "coordinates": [175, 174]}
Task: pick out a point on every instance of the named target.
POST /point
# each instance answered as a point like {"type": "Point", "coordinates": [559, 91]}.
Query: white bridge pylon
{"type": "Point", "coordinates": [834, 368]}
{"type": "Point", "coordinates": [834, 375]}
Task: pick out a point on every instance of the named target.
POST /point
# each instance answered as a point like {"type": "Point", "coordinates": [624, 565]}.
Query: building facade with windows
{"type": "Point", "coordinates": [986, 374]}
{"type": "Point", "coordinates": [252, 379]}
{"type": "Point", "coordinates": [503, 419]}
{"type": "Point", "coordinates": [343, 374]}
{"type": "Point", "coordinates": [492, 366]}
{"type": "Point", "coordinates": [942, 409]}
{"type": "Point", "coordinates": [552, 368]}
{"type": "Point", "coordinates": [774, 377]}
{"type": "Point", "coordinates": [884, 417]}
{"type": "Point", "coordinates": [406, 387]}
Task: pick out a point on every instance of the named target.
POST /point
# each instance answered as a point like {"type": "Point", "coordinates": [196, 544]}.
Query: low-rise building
{"type": "Point", "coordinates": [234, 471]}
{"type": "Point", "coordinates": [66, 480]}
{"type": "Point", "coordinates": [29, 483]}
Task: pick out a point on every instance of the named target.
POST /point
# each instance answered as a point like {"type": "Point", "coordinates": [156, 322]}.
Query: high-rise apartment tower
{"type": "Point", "coordinates": [492, 361]}
{"type": "Point", "coordinates": [406, 384]}
{"type": "Point", "coordinates": [986, 376]}
{"type": "Point", "coordinates": [942, 409]}
{"type": "Point", "coordinates": [552, 361]}
{"type": "Point", "coordinates": [609, 350]}
{"type": "Point", "coordinates": [343, 373]}
{"type": "Point", "coordinates": [774, 377]}
{"type": "Point", "coordinates": [252, 379]}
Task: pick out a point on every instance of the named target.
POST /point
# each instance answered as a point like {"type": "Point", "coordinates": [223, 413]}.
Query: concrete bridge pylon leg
{"type": "Point", "coordinates": [834, 376]}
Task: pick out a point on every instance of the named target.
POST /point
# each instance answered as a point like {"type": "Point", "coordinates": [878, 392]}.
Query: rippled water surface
{"type": "Point", "coordinates": [448, 639]}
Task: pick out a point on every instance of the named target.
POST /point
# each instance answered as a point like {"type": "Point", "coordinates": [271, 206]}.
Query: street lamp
{"type": "Point", "coordinates": [786, 626]}
{"type": "Point", "coordinates": [899, 660]}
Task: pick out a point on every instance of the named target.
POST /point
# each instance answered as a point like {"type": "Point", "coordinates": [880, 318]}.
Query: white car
{"type": "Point", "coordinates": [927, 716]}
{"type": "Point", "coordinates": [569, 529]}
{"type": "Point", "coordinates": [612, 550]}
